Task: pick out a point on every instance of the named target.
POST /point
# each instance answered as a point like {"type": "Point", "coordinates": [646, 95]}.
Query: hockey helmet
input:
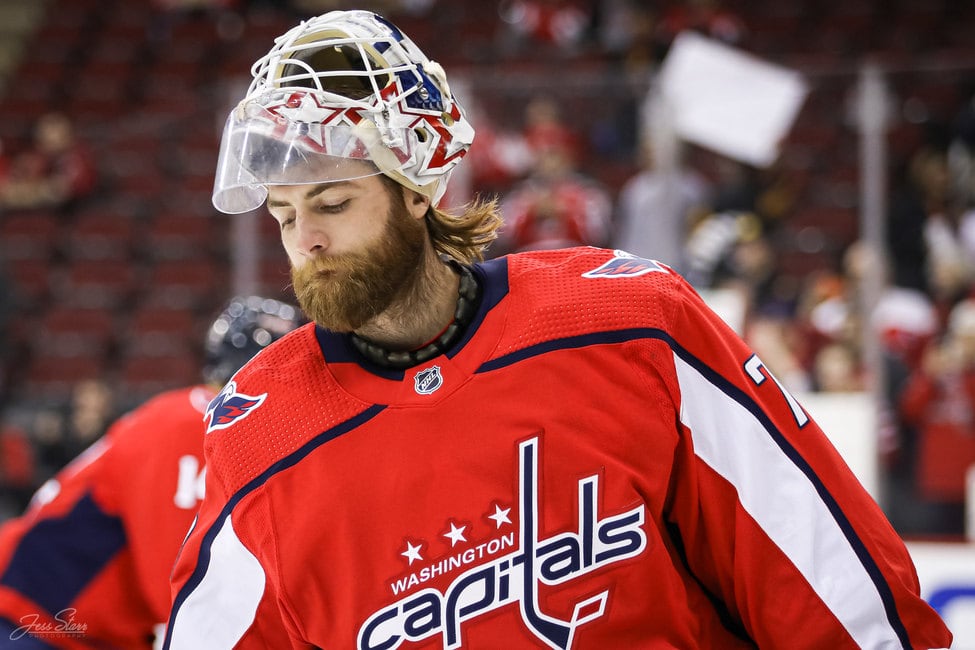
{"type": "Point", "coordinates": [246, 326]}
{"type": "Point", "coordinates": [341, 96]}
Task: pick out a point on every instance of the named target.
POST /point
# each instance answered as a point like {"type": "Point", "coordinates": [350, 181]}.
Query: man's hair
{"type": "Point", "coordinates": [464, 237]}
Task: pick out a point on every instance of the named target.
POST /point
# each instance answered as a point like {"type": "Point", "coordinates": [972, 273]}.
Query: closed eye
{"type": "Point", "coordinates": [335, 208]}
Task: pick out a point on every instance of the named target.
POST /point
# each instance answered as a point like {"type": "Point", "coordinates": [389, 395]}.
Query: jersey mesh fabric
{"type": "Point", "coordinates": [553, 310]}
{"type": "Point", "coordinates": [285, 366]}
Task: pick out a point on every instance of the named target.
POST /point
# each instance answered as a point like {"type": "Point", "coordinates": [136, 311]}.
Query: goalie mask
{"type": "Point", "coordinates": [341, 96]}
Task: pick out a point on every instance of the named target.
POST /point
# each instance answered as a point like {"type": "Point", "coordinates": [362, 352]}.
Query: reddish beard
{"type": "Point", "coordinates": [344, 292]}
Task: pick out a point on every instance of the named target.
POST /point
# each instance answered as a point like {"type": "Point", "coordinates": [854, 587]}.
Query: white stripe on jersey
{"type": "Point", "coordinates": [782, 500]}
{"type": "Point", "coordinates": [234, 582]}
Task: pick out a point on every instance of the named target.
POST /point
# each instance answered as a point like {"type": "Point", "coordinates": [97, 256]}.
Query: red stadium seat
{"type": "Point", "coordinates": [30, 234]}
{"type": "Point", "coordinates": [160, 331]}
{"type": "Point", "coordinates": [51, 377]}
{"type": "Point", "coordinates": [75, 331]}
{"type": "Point", "coordinates": [142, 376]}
{"type": "Point", "coordinates": [97, 283]}
{"type": "Point", "coordinates": [30, 281]}
{"type": "Point", "coordinates": [186, 283]}
{"type": "Point", "coordinates": [178, 235]}
{"type": "Point", "coordinates": [102, 235]}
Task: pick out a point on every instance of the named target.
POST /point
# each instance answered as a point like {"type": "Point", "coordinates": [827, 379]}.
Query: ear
{"type": "Point", "coordinates": [417, 203]}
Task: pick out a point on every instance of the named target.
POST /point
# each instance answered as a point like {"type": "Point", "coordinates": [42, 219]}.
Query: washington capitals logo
{"type": "Point", "coordinates": [230, 406]}
{"type": "Point", "coordinates": [625, 265]}
{"type": "Point", "coordinates": [521, 579]}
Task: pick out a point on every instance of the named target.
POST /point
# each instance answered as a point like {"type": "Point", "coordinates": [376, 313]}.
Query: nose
{"type": "Point", "coordinates": [310, 236]}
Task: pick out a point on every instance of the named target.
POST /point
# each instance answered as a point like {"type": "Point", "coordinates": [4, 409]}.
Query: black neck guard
{"type": "Point", "coordinates": [467, 296]}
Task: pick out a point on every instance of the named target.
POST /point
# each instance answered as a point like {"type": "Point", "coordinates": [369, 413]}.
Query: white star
{"type": "Point", "coordinates": [500, 516]}
{"type": "Point", "coordinates": [456, 534]}
{"type": "Point", "coordinates": [412, 552]}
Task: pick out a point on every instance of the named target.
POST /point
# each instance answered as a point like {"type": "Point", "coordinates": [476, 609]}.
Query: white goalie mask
{"type": "Point", "coordinates": [341, 96]}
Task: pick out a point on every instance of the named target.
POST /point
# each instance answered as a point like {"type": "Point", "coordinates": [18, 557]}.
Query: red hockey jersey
{"type": "Point", "coordinates": [600, 463]}
{"type": "Point", "coordinates": [88, 564]}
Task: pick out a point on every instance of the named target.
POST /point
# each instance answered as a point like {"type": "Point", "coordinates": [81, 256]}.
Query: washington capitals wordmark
{"type": "Point", "coordinates": [516, 577]}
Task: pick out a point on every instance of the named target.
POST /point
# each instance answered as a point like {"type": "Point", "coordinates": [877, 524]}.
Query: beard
{"type": "Point", "coordinates": [342, 293]}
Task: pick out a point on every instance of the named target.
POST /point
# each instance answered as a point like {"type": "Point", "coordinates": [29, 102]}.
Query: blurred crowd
{"type": "Point", "coordinates": [718, 221]}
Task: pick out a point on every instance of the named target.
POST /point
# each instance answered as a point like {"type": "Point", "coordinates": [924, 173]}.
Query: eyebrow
{"type": "Point", "coordinates": [310, 194]}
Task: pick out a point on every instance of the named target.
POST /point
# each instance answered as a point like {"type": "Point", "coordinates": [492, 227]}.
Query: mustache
{"type": "Point", "coordinates": [328, 264]}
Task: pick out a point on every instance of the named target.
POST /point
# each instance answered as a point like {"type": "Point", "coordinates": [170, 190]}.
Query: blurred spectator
{"type": "Point", "coordinates": [657, 207]}
{"type": "Point", "coordinates": [555, 207]}
{"type": "Point", "coordinates": [926, 247]}
{"type": "Point", "coordinates": [825, 309]}
{"type": "Point", "coordinates": [712, 245]}
{"type": "Point", "coordinates": [544, 26]}
{"type": "Point", "coordinates": [17, 470]}
{"type": "Point", "coordinates": [50, 447]}
{"type": "Point", "coordinates": [939, 401]}
{"type": "Point", "coordinates": [59, 434]}
{"type": "Point", "coordinates": [774, 340]}
{"type": "Point", "coordinates": [58, 170]}
{"type": "Point", "coordinates": [837, 368]}
{"type": "Point", "coordinates": [905, 322]}
{"type": "Point", "coordinates": [708, 17]}
{"type": "Point", "coordinates": [500, 158]}
{"type": "Point", "coordinates": [831, 325]}
{"type": "Point", "coordinates": [545, 129]}
{"type": "Point", "coordinates": [91, 411]}
{"type": "Point", "coordinates": [626, 31]}
{"type": "Point", "coordinates": [961, 157]}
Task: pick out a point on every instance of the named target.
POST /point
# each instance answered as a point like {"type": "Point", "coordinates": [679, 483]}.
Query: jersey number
{"type": "Point", "coordinates": [758, 373]}
{"type": "Point", "coordinates": [189, 486]}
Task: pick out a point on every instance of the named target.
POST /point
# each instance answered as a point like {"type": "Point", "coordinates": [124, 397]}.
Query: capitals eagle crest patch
{"type": "Point", "coordinates": [625, 265]}
{"type": "Point", "coordinates": [229, 407]}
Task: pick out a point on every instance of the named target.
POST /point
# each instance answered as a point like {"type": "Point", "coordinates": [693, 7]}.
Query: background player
{"type": "Point", "coordinates": [88, 564]}
{"type": "Point", "coordinates": [556, 449]}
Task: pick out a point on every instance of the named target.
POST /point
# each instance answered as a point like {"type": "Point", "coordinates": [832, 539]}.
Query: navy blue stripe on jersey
{"type": "Point", "coordinates": [571, 342]}
{"type": "Point", "coordinates": [493, 278]}
{"type": "Point", "coordinates": [738, 395]}
{"type": "Point", "coordinates": [288, 461]}
{"type": "Point", "coordinates": [57, 558]}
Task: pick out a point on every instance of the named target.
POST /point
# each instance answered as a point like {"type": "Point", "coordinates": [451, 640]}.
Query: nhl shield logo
{"type": "Point", "coordinates": [427, 380]}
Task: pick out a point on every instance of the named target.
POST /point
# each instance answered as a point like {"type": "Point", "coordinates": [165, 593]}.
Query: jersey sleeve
{"type": "Point", "coordinates": [224, 582]}
{"type": "Point", "coordinates": [65, 564]}
{"type": "Point", "coordinates": [770, 520]}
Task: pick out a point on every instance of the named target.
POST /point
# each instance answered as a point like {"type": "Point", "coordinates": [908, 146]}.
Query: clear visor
{"type": "Point", "coordinates": [262, 147]}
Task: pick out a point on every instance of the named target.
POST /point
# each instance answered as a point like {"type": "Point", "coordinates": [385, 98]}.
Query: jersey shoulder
{"type": "Point", "coordinates": [576, 291]}
{"type": "Point", "coordinates": [296, 351]}
{"type": "Point", "coordinates": [275, 403]}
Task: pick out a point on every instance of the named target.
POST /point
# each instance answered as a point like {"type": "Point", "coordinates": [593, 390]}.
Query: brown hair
{"type": "Point", "coordinates": [465, 236]}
